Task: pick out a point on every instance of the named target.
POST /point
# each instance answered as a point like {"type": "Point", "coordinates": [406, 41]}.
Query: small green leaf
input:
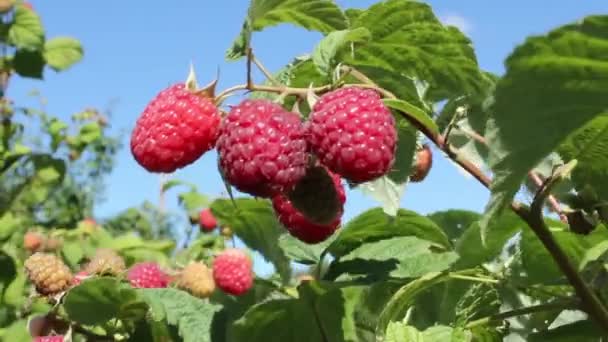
{"type": "Point", "coordinates": [318, 15]}
{"type": "Point", "coordinates": [90, 132]}
{"type": "Point", "coordinates": [109, 298]}
{"type": "Point", "coordinates": [593, 253]}
{"type": "Point", "coordinates": [29, 63]}
{"type": "Point", "coordinates": [374, 225]}
{"type": "Point", "coordinates": [300, 252]}
{"type": "Point", "coordinates": [72, 252]}
{"type": "Point", "coordinates": [385, 191]}
{"type": "Point", "coordinates": [480, 300]}
{"type": "Point", "coordinates": [170, 184]}
{"type": "Point", "coordinates": [26, 30]}
{"type": "Point", "coordinates": [191, 315]}
{"type": "Point", "coordinates": [61, 53]}
{"type": "Point", "coordinates": [9, 223]}
{"type": "Point", "coordinates": [413, 112]}
{"type": "Point", "coordinates": [255, 223]}
{"type": "Point", "coordinates": [325, 52]}
{"type": "Point", "coordinates": [584, 330]}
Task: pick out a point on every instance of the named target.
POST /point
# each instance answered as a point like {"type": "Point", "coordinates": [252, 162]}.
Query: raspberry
{"type": "Point", "coordinates": [353, 133]}
{"type": "Point", "coordinates": [52, 244]}
{"type": "Point", "coordinates": [106, 261]}
{"type": "Point", "coordinates": [48, 273]}
{"type": "Point", "coordinates": [207, 221]}
{"type": "Point", "coordinates": [423, 164]}
{"type": "Point", "coordinates": [147, 275]}
{"type": "Point", "coordinates": [262, 148]}
{"type": "Point", "coordinates": [56, 338]}
{"type": "Point", "coordinates": [32, 241]}
{"type": "Point", "coordinates": [198, 279]}
{"type": "Point", "coordinates": [232, 271]}
{"type": "Point", "coordinates": [79, 277]}
{"type": "Point", "coordinates": [174, 130]}
{"type": "Point", "coordinates": [300, 226]}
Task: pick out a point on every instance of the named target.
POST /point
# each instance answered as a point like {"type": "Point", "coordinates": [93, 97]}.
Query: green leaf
{"type": "Point", "coordinates": [578, 331]}
{"type": "Point", "coordinates": [374, 225]}
{"type": "Point", "coordinates": [454, 222]}
{"type": "Point", "coordinates": [255, 223]}
{"type": "Point", "coordinates": [413, 112]}
{"type": "Point", "coordinates": [61, 53]}
{"type": "Point", "coordinates": [470, 248]}
{"type": "Point", "coordinates": [300, 252]}
{"type": "Point", "coordinates": [325, 52]}
{"type": "Point", "coordinates": [17, 331]}
{"type": "Point", "coordinates": [9, 223]}
{"type": "Point", "coordinates": [588, 146]}
{"type": "Point", "coordinates": [318, 15]}
{"type": "Point", "coordinates": [191, 315]}
{"type": "Point", "coordinates": [401, 301]}
{"type": "Point", "coordinates": [26, 30]}
{"type": "Point", "coordinates": [560, 83]}
{"type": "Point", "coordinates": [73, 252]}
{"type": "Point", "coordinates": [401, 332]}
{"type": "Point", "coordinates": [321, 313]}
{"type": "Point", "coordinates": [172, 183]}
{"type": "Point", "coordinates": [109, 298]}
{"type": "Point", "coordinates": [400, 257]}
{"type": "Point", "coordinates": [480, 300]}
{"type": "Point", "coordinates": [407, 39]}
{"type": "Point", "coordinates": [29, 63]}
{"type": "Point", "coordinates": [593, 253]}
{"type": "Point", "coordinates": [9, 271]}
{"type": "Point", "coordinates": [386, 192]}
{"type": "Point", "coordinates": [538, 263]}
{"type": "Point", "coordinates": [90, 132]}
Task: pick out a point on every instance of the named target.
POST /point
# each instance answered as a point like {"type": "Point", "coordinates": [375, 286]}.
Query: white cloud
{"type": "Point", "coordinates": [458, 21]}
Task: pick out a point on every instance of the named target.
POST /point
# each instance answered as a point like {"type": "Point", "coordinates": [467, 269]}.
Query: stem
{"type": "Point", "coordinates": [590, 301]}
{"type": "Point", "coordinates": [264, 71]}
{"type": "Point", "coordinates": [520, 312]}
{"type": "Point", "coordinates": [473, 278]}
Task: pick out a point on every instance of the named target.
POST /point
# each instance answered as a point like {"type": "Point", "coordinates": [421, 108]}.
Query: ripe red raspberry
{"type": "Point", "coordinates": [56, 338]}
{"type": "Point", "coordinates": [147, 275]}
{"type": "Point", "coordinates": [207, 221]}
{"type": "Point", "coordinates": [301, 226]}
{"type": "Point", "coordinates": [262, 148]}
{"type": "Point", "coordinates": [353, 133]}
{"type": "Point", "coordinates": [424, 162]}
{"type": "Point", "coordinates": [174, 130]}
{"type": "Point", "coordinates": [232, 271]}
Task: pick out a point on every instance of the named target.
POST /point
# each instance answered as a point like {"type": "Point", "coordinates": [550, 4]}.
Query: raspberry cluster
{"type": "Point", "coordinates": [267, 151]}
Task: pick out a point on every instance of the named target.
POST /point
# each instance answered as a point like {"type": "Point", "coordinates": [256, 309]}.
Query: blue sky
{"type": "Point", "coordinates": [133, 49]}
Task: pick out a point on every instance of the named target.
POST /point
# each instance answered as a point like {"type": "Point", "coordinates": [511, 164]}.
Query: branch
{"type": "Point", "coordinates": [522, 311]}
{"type": "Point", "coordinates": [590, 301]}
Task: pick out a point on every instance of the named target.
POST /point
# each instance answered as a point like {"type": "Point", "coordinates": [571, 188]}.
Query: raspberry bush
{"type": "Point", "coordinates": [386, 91]}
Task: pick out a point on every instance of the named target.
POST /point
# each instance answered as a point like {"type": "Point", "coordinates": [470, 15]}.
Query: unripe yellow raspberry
{"type": "Point", "coordinates": [48, 273]}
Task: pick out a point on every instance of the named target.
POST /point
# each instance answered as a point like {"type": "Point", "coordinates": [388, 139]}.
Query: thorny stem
{"type": "Point", "coordinates": [522, 311]}
{"type": "Point", "coordinates": [264, 71]}
{"type": "Point", "coordinates": [473, 278]}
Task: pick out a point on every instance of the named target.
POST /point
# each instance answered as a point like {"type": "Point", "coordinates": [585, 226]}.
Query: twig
{"type": "Point", "coordinates": [264, 71]}
{"type": "Point", "coordinates": [532, 175]}
{"type": "Point", "coordinates": [520, 312]}
{"type": "Point", "coordinates": [249, 60]}
{"type": "Point", "coordinates": [474, 278]}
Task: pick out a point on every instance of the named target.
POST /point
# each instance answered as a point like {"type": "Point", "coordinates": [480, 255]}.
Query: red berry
{"type": "Point", "coordinates": [353, 133]}
{"type": "Point", "coordinates": [262, 148]}
{"type": "Point", "coordinates": [56, 338]}
{"type": "Point", "coordinates": [424, 162]}
{"type": "Point", "coordinates": [147, 275]}
{"type": "Point", "coordinates": [232, 271]}
{"type": "Point", "coordinates": [174, 130]}
{"type": "Point", "coordinates": [207, 221]}
{"type": "Point", "coordinates": [302, 227]}
{"type": "Point", "coordinates": [79, 277]}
